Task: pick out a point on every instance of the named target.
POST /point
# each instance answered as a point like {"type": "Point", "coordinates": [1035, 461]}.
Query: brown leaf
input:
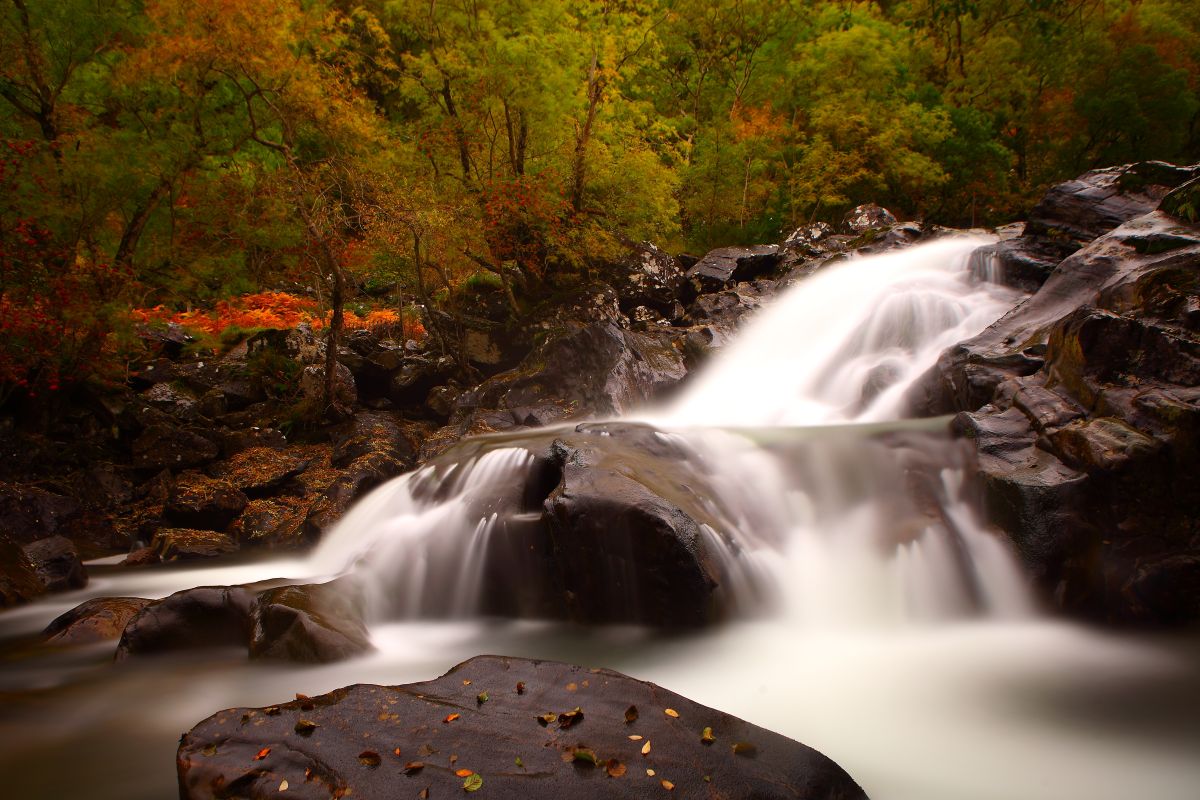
{"type": "Point", "coordinates": [706, 736]}
{"type": "Point", "coordinates": [666, 784]}
{"type": "Point", "coordinates": [413, 767]}
{"type": "Point", "coordinates": [453, 758]}
{"type": "Point", "coordinates": [305, 727]}
{"type": "Point", "coordinates": [631, 715]}
{"type": "Point", "coordinates": [481, 698]}
{"type": "Point", "coordinates": [424, 795]}
{"type": "Point", "coordinates": [266, 751]}
{"type": "Point", "coordinates": [451, 717]}
{"type": "Point", "coordinates": [271, 711]}
{"type": "Point", "coordinates": [520, 687]}
{"type": "Point", "coordinates": [569, 718]}
{"type": "Point", "coordinates": [396, 751]}
{"type": "Point", "coordinates": [571, 687]}
{"type": "Point", "coordinates": [425, 750]}
{"type": "Point", "coordinates": [547, 718]}
{"type": "Point", "coordinates": [614, 768]}
{"type": "Point", "coordinates": [369, 758]}
{"type": "Point", "coordinates": [585, 755]}
{"type": "Point", "coordinates": [306, 703]}
{"type": "Point", "coordinates": [745, 749]}
{"type": "Point", "coordinates": [466, 682]}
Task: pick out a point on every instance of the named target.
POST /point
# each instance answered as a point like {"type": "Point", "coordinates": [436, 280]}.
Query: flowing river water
{"type": "Point", "coordinates": [879, 619]}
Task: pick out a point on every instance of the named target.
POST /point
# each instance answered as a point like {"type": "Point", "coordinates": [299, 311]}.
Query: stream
{"type": "Point", "coordinates": [878, 618]}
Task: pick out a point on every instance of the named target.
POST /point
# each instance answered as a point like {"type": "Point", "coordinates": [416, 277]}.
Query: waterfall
{"type": "Point", "coordinates": [819, 515]}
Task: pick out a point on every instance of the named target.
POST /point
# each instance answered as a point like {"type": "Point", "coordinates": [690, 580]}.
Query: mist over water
{"type": "Point", "coordinates": [879, 620]}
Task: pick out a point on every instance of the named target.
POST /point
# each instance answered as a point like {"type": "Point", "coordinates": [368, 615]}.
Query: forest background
{"type": "Point", "coordinates": [232, 165]}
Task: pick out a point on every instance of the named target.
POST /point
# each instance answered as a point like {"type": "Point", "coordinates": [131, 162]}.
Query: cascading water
{"type": "Point", "coordinates": [851, 525]}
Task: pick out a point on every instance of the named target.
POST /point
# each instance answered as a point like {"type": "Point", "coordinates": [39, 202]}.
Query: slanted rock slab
{"type": "Point", "coordinates": [504, 726]}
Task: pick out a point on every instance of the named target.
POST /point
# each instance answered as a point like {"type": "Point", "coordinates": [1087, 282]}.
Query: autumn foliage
{"type": "Point", "coordinates": [277, 310]}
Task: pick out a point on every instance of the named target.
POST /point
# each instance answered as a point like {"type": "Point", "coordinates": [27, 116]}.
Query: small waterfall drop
{"type": "Point", "coordinates": [811, 512]}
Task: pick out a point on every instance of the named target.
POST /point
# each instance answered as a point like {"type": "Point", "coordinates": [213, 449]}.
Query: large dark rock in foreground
{"type": "Point", "coordinates": [512, 728]}
{"type": "Point", "coordinates": [1084, 404]}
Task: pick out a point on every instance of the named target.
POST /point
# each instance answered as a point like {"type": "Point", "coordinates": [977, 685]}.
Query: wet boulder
{"type": "Point", "coordinates": [648, 277]}
{"type": "Point", "coordinates": [198, 501]}
{"type": "Point", "coordinates": [187, 544]}
{"type": "Point", "coordinates": [259, 471]}
{"type": "Point", "coordinates": [315, 623]}
{"type": "Point", "coordinates": [728, 265]}
{"type": "Point", "coordinates": [1076, 212]}
{"type": "Point", "coordinates": [19, 581]}
{"type": "Point", "coordinates": [275, 522]}
{"type": "Point", "coordinates": [598, 369]}
{"type": "Point", "coordinates": [97, 620]}
{"type": "Point", "coordinates": [312, 385]}
{"type": "Point", "coordinates": [28, 513]}
{"type": "Point", "coordinates": [57, 564]}
{"type": "Point", "coordinates": [208, 616]}
{"type": "Point", "coordinates": [511, 728]}
{"type": "Point", "coordinates": [868, 217]}
{"type": "Point", "coordinates": [377, 432]}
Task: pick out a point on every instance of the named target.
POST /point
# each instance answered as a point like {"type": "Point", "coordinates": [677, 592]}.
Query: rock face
{"type": "Point", "coordinates": [1074, 213]}
{"type": "Point", "coordinates": [1084, 403]}
{"type": "Point", "coordinates": [479, 724]}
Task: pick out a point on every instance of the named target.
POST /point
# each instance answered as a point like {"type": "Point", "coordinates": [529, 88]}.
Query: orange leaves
{"type": "Point", "coordinates": [275, 310]}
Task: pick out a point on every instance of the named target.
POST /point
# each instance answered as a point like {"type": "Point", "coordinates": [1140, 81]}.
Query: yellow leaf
{"type": "Point", "coordinates": [646, 747]}
{"type": "Point", "coordinates": [283, 786]}
{"type": "Point", "coordinates": [666, 784]}
{"type": "Point", "coordinates": [670, 712]}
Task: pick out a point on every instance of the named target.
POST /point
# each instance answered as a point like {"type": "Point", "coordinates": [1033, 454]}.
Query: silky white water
{"type": "Point", "coordinates": [880, 620]}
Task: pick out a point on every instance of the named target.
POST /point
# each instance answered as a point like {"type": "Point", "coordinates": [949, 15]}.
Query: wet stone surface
{"type": "Point", "coordinates": [507, 728]}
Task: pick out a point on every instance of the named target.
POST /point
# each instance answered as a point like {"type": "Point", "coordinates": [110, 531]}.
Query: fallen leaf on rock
{"type": "Point", "coordinates": [631, 715]}
{"type": "Point", "coordinates": [569, 718]}
{"type": "Point", "coordinates": [425, 750]}
{"type": "Point", "coordinates": [424, 795]}
{"type": "Point", "coordinates": [481, 698]}
{"type": "Point", "coordinates": [571, 687]}
{"type": "Point", "coordinates": [646, 747]}
{"type": "Point", "coordinates": [520, 687]}
{"type": "Point", "coordinates": [454, 758]}
{"type": "Point", "coordinates": [266, 751]}
{"type": "Point", "coordinates": [210, 750]}
{"type": "Point", "coordinates": [283, 786]}
{"type": "Point", "coordinates": [305, 727]}
{"type": "Point", "coordinates": [473, 783]}
{"type": "Point", "coordinates": [666, 784]}
{"type": "Point", "coordinates": [369, 758]}
{"type": "Point", "coordinates": [670, 712]}
{"type": "Point", "coordinates": [306, 703]}
{"type": "Point", "coordinates": [271, 711]}
{"type": "Point", "coordinates": [636, 737]}
{"type": "Point", "coordinates": [519, 762]}
{"type": "Point", "coordinates": [614, 768]}
{"type": "Point", "coordinates": [706, 736]}
{"type": "Point", "coordinates": [413, 767]}
{"type": "Point", "coordinates": [462, 773]}
{"type": "Point", "coordinates": [547, 718]}
{"type": "Point", "coordinates": [396, 751]}
{"type": "Point", "coordinates": [650, 772]}
{"type": "Point", "coordinates": [745, 749]}
{"type": "Point", "coordinates": [451, 717]}
{"type": "Point", "coordinates": [466, 682]}
{"type": "Point", "coordinates": [586, 755]}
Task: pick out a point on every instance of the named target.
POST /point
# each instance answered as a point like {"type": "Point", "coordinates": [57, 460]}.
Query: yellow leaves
{"type": "Point", "coordinates": [666, 784]}
{"type": "Point", "coordinates": [473, 783]}
{"type": "Point", "coordinates": [636, 737]}
{"type": "Point", "coordinates": [305, 727]}
{"type": "Point", "coordinates": [706, 736]}
{"type": "Point", "coordinates": [369, 758]}
{"type": "Point", "coordinates": [670, 712]}
{"type": "Point", "coordinates": [283, 786]}
{"type": "Point", "coordinates": [646, 748]}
